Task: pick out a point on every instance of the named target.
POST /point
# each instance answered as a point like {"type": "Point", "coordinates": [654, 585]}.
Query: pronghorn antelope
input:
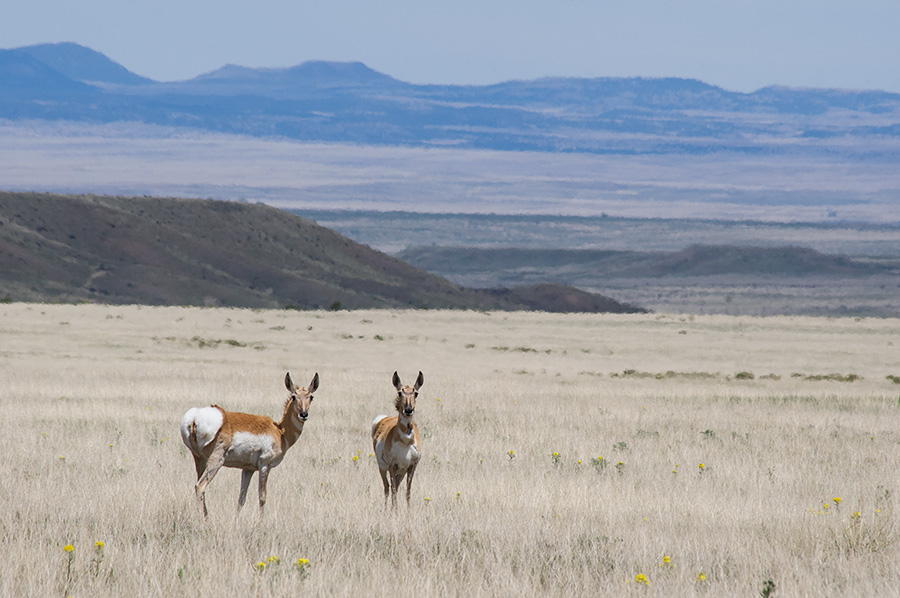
{"type": "Point", "coordinates": [396, 440]}
{"type": "Point", "coordinates": [249, 442]}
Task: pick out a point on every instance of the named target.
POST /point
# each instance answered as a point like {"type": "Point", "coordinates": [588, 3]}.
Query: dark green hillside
{"type": "Point", "coordinates": [163, 251]}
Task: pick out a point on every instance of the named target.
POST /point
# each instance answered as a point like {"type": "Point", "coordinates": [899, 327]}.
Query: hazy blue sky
{"type": "Point", "coordinates": [738, 44]}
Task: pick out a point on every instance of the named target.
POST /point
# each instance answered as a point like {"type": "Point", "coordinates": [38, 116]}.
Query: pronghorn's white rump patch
{"type": "Point", "coordinates": [206, 421]}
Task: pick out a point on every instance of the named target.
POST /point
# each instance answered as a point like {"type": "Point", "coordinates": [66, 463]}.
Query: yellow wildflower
{"type": "Point", "coordinates": [68, 548]}
{"type": "Point", "coordinates": [641, 578]}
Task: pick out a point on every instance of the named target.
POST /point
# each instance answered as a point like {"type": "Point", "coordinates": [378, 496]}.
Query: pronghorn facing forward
{"type": "Point", "coordinates": [252, 443]}
{"type": "Point", "coordinates": [396, 440]}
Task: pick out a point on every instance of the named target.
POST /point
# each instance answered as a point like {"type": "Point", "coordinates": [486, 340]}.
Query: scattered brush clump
{"type": "Point", "coordinates": [667, 375]}
{"type": "Point", "coordinates": [519, 349]}
{"type": "Point", "coordinates": [832, 377]}
{"type": "Point", "coordinates": [209, 343]}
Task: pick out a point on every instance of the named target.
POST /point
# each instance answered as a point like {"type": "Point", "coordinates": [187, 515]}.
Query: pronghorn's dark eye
{"type": "Point", "coordinates": [310, 398]}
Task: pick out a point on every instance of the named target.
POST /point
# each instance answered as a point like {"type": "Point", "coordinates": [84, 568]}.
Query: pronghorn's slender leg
{"type": "Point", "coordinates": [396, 479]}
{"type": "Point", "coordinates": [409, 477]}
{"type": "Point", "coordinates": [200, 465]}
{"type": "Point", "coordinates": [213, 464]}
{"type": "Point", "coordinates": [387, 485]}
{"type": "Point", "coordinates": [263, 478]}
{"type": "Point", "coordinates": [246, 475]}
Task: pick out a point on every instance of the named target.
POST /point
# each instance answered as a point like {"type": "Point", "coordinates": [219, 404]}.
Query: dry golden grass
{"type": "Point", "coordinates": [511, 497]}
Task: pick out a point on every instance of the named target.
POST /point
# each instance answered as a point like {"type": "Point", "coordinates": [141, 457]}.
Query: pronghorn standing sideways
{"type": "Point", "coordinates": [396, 440]}
{"type": "Point", "coordinates": [252, 443]}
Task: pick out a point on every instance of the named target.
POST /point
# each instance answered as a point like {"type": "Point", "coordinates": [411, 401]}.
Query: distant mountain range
{"type": "Point", "coordinates": [349, 102]}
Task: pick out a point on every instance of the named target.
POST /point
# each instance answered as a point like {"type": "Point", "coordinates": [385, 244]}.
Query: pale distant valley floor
{"type": "Point", "coordinates": [392, 198]}
{"type": "Point", "coordinates": [137, 159]}
{"type": "Point", "coordinates": [823, 297]}
{"type": "Point", "coordinates": [877, 296]}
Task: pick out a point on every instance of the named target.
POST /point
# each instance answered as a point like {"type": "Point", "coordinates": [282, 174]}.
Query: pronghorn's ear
{"type": "Point", "coordinates": [288, 383]}
{"type": "Point", "coordinates": [396, 381]}
{"type": "Point", "coordinates": [315, 383]}
{"type": "Point", "coordinates": [419, 381]}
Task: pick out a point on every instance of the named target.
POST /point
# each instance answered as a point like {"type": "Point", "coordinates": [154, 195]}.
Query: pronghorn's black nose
{"type": "Point", "coordinates": [304, 414]}
{"type": "Point", "coordinates": [407, 411]}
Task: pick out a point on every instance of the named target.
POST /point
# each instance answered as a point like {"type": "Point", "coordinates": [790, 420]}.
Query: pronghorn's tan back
{"type": "Point", "coordinates": [252, 424]}
{"type": "Point", "coordinates": [382, 426]}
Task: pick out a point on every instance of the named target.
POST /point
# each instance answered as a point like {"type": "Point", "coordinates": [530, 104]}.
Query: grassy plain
{"type": "Point", "coordinates": [735, 451]}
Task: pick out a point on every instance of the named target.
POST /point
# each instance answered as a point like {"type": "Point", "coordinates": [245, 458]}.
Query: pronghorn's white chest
{"type": "Point", "coordinates": [401, 450]}
{"type": "Point", "coordinates": [253, 451]}
{"type": "Point", "coordinates": [404, 455]}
